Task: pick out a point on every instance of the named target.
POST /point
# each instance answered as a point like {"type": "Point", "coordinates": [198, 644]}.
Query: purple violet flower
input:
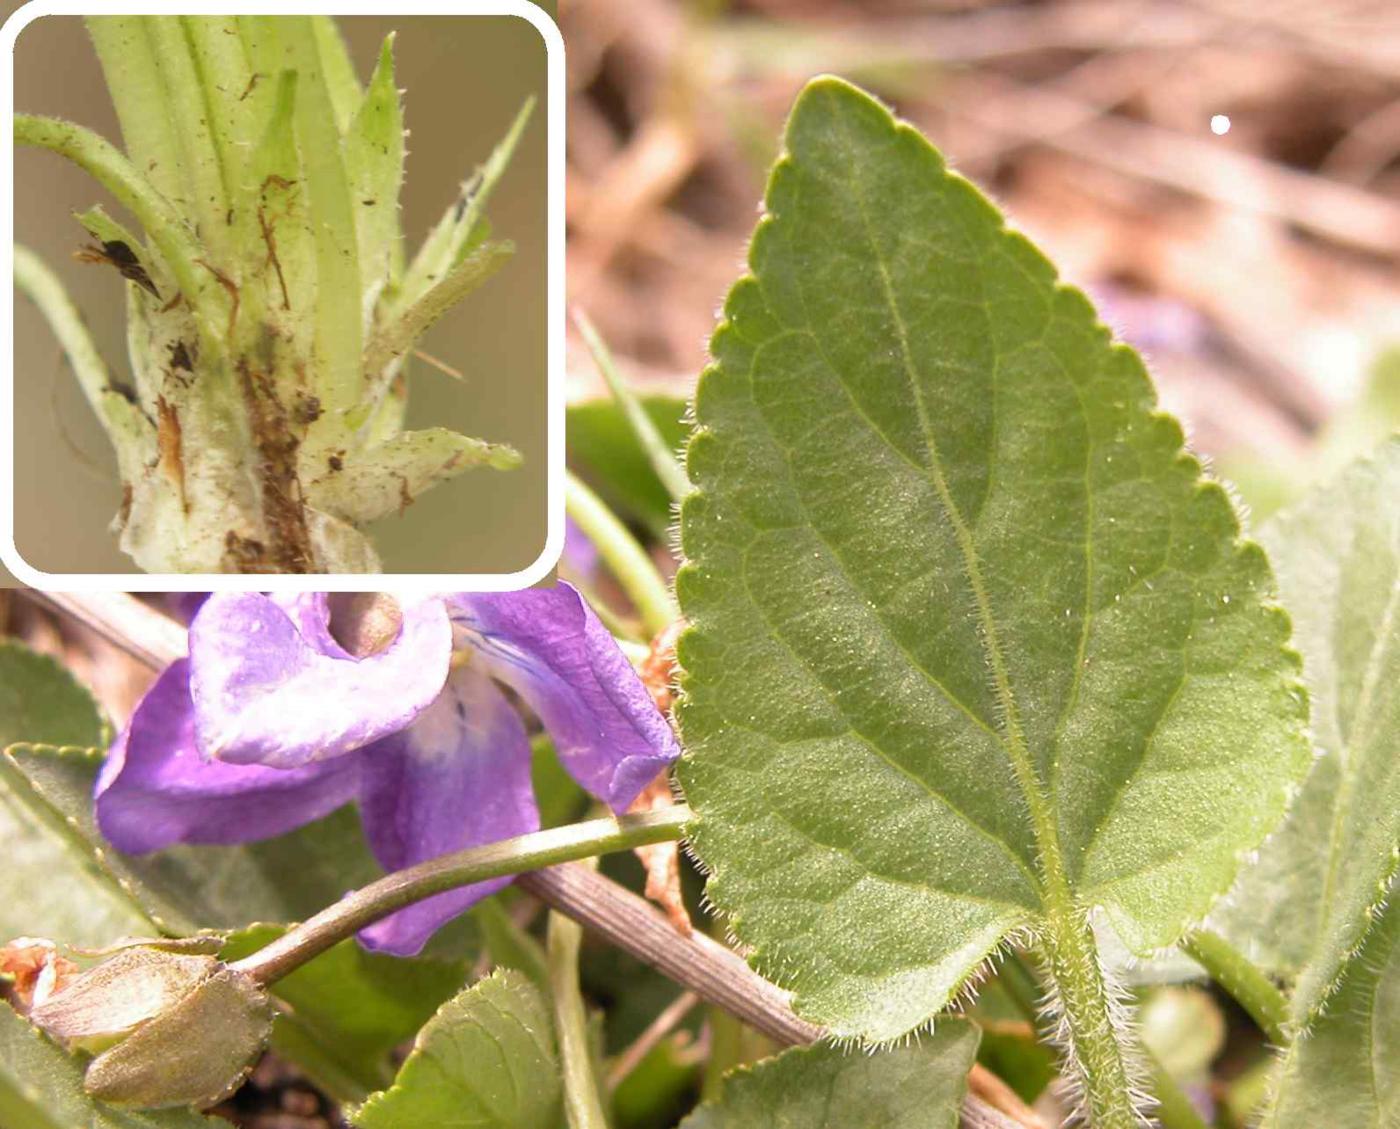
{"type": "Point", "coordinates": [270, 724]}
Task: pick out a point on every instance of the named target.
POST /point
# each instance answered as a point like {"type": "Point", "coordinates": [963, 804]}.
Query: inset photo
{"type": "Point", "coordinates": [288, 299]}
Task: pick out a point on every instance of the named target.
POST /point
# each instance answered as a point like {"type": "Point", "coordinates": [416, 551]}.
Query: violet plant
{"type": "Point", "coordinates": [987, 702]}
{"type": "Point", "coordinates": [271, 304]}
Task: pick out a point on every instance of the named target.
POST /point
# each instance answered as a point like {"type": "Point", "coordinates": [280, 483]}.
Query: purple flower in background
{"type": "Point", "coordinates": [271, 723]}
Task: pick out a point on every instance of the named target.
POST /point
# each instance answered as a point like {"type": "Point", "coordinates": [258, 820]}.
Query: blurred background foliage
{"type": "Point", "coordinates": [1258, 270]}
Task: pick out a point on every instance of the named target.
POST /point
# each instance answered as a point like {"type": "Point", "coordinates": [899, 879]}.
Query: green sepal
{"type": "Point", "coordinates": [368, 485]}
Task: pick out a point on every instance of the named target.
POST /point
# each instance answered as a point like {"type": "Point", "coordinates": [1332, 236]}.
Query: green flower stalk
{"type": "Point", "coordinates": [270, 304]}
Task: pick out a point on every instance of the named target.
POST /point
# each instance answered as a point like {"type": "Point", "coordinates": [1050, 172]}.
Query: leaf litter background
{"type": "Point", "coordinates": [1258, 271]}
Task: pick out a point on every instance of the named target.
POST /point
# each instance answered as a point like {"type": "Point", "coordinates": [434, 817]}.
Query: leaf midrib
{"type": "Point", "coordinates": [1008, 721]}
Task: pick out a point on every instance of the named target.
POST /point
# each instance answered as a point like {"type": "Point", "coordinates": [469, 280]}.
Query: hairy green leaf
{"type": "Point", "coordinates": [1307, 903]}
{"type": "Point", "coordinates": [48, 886]}
{"type": "Point", "coordinates": [40, 701]}
{"type": "Point", "coordinates": [42, 1088]}
{"type": "Point", "coordinates": [396, 336]}
{"type": "Point", "coordinates": [374, 162]}
{"type": "Point", "coordinates": [452, 236]}
{"type": "Point", "coordinates": [382, 480]}
{"type": "Point", "coordinates": [485, 1061]}
{"type": "Point", "coordinates": [976, 648]}
{"type": "Point", "coordinates": [1345, 1070]}
{"type": "Point", "coordinates": [914, 1087]}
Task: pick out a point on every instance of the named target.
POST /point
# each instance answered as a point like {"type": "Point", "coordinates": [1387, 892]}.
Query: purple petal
{"type": "Point", "coordinates": [311, 612]}
{"type": "Point", "coordinates": [156, 790]}
{"type": "Point", "coordinates": [549, 646]}
{"type": "Point", "coordinates": [271, 687]}
{"type": "Point", "coordinates": [458, 777]}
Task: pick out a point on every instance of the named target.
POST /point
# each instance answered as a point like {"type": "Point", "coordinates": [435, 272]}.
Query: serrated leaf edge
{"type": "Point", "coordinates": [1239, 544]}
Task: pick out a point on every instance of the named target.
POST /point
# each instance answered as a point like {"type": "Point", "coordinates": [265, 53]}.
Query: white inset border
{"type": "Point", "coordinates": [554, 237]}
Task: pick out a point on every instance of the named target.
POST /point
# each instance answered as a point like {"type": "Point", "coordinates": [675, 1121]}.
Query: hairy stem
{"type": "Point", "coordinates": [1094, 1040]}
{"type": "Point", "coordinates": [1243, 979]}
{"type": "Point", "coordinates": [624, 556]}
{"type": "Point", "coordinates": [582, 1103]}
{"type": "Point", "coordinates": [405, 887]}
{"type": "Point", "coordinates": [1174, 1109]}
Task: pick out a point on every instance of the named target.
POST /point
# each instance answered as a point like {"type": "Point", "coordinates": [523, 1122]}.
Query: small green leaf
{"type": "Point", "coordinates": [1345, 1070]}
{"type": "Point", "coordinates": [396, 336]}
{"type": "Point", "coordinates": [486, 1060]}
{"type": "Point", "coordinates": [374, 162]}
{"type": "Point", "coordinates": [330, 214]}
{"type": "Point", "coordinates": [42, 1088]}
{"type": "Point", "coordinates": [976, 649]}
{"type": "Point", "coordinates": [186, 889]}
{"type": "Point", "coordinates": [454, 234]}
{"type": "Point", "coordinates": [138, 92]}
{"type": "Point", "coordinates": [603, 448]}
{"type": "Point", "coordinates": [914, 1087]}
{"type": "Point", "coordinates": [368, 485]}
{"type": "Point", "coordinates": [40, 701]}
{"type": "Point", "coordinates": [105, 230]}
{"type": "Point", "coordinates": [1307, 903]}
{"type": "Point", "coordinates": [355, 1006]}
{"type": "Point", "coordinates": [341, 83]}
{"type": "Point", "coordinates": [119, 176]}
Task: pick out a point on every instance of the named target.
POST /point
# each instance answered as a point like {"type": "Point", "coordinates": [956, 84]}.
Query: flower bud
{"type": "Point", "coordinates": [178, 1030]}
